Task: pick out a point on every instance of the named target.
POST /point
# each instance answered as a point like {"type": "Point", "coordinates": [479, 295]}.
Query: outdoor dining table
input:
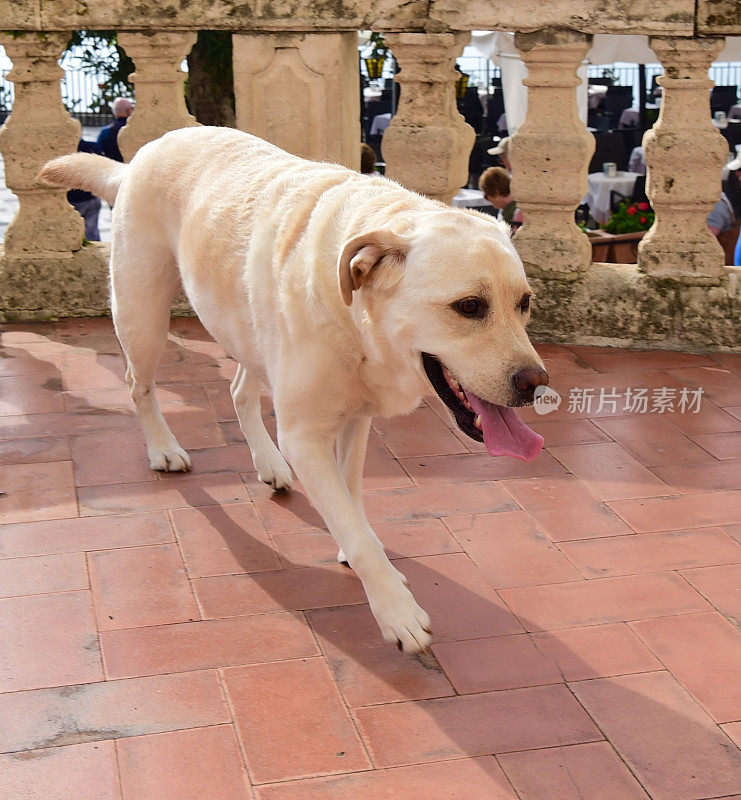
{"type": "Point", "coordinates": [470, 198]}
{"type": "Point", "coordinates": [600, 186]}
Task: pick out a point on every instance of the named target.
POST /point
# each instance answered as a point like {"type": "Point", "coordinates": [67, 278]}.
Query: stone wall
{"type": "Point", "coordinates": [679, 295]}
{"type": "Point", "coordinates": [671, 17]}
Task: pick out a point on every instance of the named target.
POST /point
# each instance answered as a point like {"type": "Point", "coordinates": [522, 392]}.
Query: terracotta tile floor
{"type": "Point", "coordinates": [171, 637]}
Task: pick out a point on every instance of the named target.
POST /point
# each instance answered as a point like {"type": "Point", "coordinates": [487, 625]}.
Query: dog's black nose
{"type": "Point", "coordinates": [526, 381]}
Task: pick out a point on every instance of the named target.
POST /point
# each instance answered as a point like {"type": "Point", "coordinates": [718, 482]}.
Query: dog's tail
{"type": "Point", "coordinates": [97, 174]}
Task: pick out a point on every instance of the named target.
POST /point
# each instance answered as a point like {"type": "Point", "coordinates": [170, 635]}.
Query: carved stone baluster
{"type": "Point", "coordinates": [427, 145]}
{"type": "Point", "coordinates": [160, 102]}
{"type": "Point", "coordinates": [550, 155]}
{"type": "Point", "coordinates": [300, 92]}
{"type": "Point", "coordinates": [685, 155]}
{"type": "Point", "coordinates": [39, 129]}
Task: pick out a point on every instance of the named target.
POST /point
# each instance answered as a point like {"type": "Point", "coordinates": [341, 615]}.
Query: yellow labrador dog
{"type": "Point", "coordinates": [345, 295]}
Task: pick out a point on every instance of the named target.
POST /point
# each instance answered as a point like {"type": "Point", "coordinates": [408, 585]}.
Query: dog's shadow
{"type": "Point", "coordinates": [649, 725]}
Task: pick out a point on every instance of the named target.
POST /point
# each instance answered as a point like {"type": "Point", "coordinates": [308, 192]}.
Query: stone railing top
{"type": "Point", "coordinates": [670, 17]}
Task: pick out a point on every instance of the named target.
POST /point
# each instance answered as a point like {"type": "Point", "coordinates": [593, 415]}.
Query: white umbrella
{"type": "Point", "coordinates": [608, 48]}
{"type": "Point", "coordinates": [732, 50]}
{"type": "Point", "coordinates": [499, 47]}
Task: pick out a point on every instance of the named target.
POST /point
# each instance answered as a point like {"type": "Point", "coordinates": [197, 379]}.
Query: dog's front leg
{"type": "Point", "coordinates": [352, 444]}
{"type": "Point", "coordinates": [312, 456]}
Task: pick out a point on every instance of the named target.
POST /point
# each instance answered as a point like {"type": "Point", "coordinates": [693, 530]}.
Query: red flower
{"type": "Point", "coordinates": [630, 210]}
{"type": "Point", "coordinates": [642, 206]}
{"type": "Point", "coordinates": [643, 220]}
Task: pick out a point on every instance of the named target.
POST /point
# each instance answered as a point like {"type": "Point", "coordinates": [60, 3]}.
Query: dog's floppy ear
{"type": "Point", "coordinates": [377, 256]}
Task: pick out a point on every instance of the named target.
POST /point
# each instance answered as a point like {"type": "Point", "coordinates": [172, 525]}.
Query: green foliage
{"type": "Point", "coordinates": [630, 217]}
{"type": "Point", "coordinates": [209, 88]}
{"type": "Point", "coordinates": [378, 45]}
{"type": "Point", "coordinates": [99, 52]}
{"type": "Point", "coordinates": [216, 53]}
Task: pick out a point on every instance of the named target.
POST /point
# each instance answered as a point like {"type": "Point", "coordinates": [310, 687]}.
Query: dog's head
{"type": "Point", "coordinates": [454, 292]}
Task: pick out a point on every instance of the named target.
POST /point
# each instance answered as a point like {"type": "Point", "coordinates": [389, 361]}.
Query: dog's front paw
{"type": "Point", "coordinates": [401, 620]}
{"type": "Point", "coordinates": [274, 471]}
{"type": "Point", "coordinates": [170, 459]}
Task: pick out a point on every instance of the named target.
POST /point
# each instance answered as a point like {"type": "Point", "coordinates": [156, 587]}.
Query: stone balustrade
{"type": "Point", "coordinates": [296, 84]}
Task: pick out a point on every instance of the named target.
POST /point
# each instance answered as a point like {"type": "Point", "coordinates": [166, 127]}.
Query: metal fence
{"type": "Point", "coordinates": [80, 89]}
{"type": "Point", "coordinates": [79, 92]}
{"type": "Point", "coordinates": [480, 71]}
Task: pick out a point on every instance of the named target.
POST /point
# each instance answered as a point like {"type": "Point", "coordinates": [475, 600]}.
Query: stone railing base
{"type": "Point", "coordinates": [52, 285]}
{"type": "Point", "coordinates": [616, 305]}
{"type": "Point", "coordinates": [57, 285]}
{"type": "Point", "coordinates": [609, 304]}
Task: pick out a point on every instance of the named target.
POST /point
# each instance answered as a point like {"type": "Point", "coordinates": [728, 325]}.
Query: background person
{"type": "Point", "coordinates": [367, 159]}
{"type": "Point", "coordinates": [732, 190]}
{"type": "Point", "coordinates": [725, 226]}
{"type": "Point", "coordinates": [496, 186]}
{"type": "Point", "coordinates": [502, 150]}
{"type": "Point", "coordinates": [108, 138]}
{"type": "Point", "coordinates": [86, 204]}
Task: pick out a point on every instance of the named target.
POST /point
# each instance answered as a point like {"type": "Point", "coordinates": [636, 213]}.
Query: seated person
{"type": "Point", "coordinates": [732, 188]}
{"type": "Point", "coordinates": [495, 184]}
{"type": "Point", "coordinates": [731, 185]}
{"type": "Point", "coordinates": [637, 162]}
{"type": "Point", "coordinates": [725, 226]}
{"type": "Point", "coordinates": [721, 218]}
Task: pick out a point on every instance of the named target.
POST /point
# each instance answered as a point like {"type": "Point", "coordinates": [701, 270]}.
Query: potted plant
{"type": "Point", "coordinates": [617, 242]}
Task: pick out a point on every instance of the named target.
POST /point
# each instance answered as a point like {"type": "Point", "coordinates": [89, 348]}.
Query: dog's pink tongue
{"type": "Point", "coordinates": [505, 434]}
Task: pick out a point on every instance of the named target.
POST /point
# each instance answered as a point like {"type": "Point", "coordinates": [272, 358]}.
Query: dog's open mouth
{"type": "Point", "coordinates": [499, 427]}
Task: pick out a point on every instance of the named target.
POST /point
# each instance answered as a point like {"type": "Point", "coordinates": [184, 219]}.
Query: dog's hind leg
{"type": "Point", "coordinates": [143, 284]}
{"type": "Point", "coordinates": [270, 465]}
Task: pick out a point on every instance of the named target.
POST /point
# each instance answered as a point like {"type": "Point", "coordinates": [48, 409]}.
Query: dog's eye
{"type": "Point", "coordinates": [473, 307]}
{"type": "Point", "coordinates": [525, 303]}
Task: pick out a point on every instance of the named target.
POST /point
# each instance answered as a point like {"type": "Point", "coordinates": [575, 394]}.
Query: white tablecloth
{"type": "Point", "coordinates": [379, 124]}
{"type": "Point", "coordinates": [596, 93]}
{"type": "Point", "coordinates": [630, 118]}
{"type": "Point", "coordinates": [470, 198]}
{"type": "Point", "coordinates": [600, 186]}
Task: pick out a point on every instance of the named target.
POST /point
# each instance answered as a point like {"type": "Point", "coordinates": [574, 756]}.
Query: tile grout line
{"type": "Point", "coordinates": [96, 617]}
{"type": "Point", "coordinates": [343, 699]}
{"type": "Point", "coordinates": [233, 725]}
{"type": "Point", "coordinates": [103, 668]}
{"type": "Point", "coordinates": [119, 770]}
{"type": "Point", "coordinates": [390, 453]}
{"type": "Point", "coordinates": [186, 573]}
{"type": "Point", "coordinates": [699, 592]}
{"type": "Point", "coordinates": [607, 738]}
{"type": "Point", "coordinates": [668, 669]}
{"type": "Point", "coordinates": [510, 783]}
